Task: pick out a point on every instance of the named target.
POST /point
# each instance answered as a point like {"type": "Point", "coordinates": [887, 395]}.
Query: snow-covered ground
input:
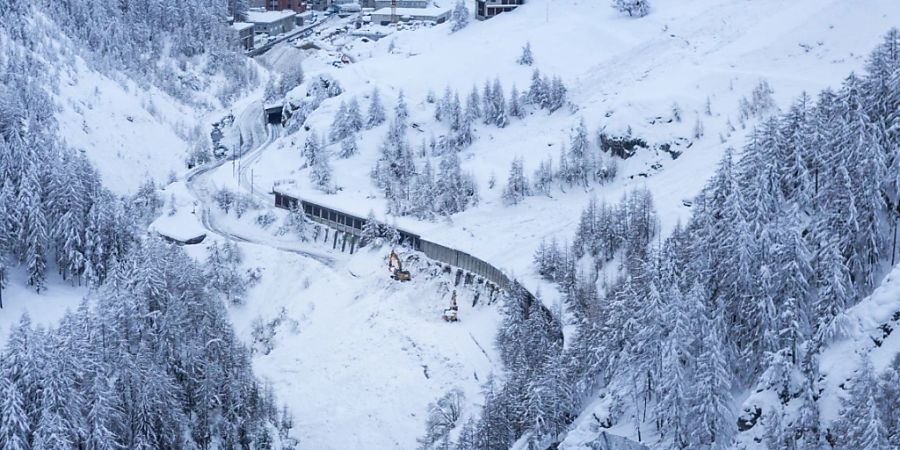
{"type": "Point", "coordinates": [44, 310]}
{"type": "Point", "coordinates": [357, 356]}
{"type": "Point", "coordinates": [621, 73]}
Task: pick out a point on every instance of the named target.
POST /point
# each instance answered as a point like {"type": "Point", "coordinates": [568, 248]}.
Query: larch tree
{"type": "Point", "coordinates": [376, 114]}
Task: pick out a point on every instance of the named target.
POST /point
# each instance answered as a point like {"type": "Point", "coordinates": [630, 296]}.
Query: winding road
{"type": "Point", "coordinates": [199, 186]}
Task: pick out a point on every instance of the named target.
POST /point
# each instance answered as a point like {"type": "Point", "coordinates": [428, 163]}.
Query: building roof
{"type": "Point", "coordinates": [269, 16]}
{"type": "Point", "coordinates": [432, 11]}
{"type": "Point", "coordinates": [241, 26]}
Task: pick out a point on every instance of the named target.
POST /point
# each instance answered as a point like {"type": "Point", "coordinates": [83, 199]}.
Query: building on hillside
{"type": "Point", "coordinates": [298, 6]}
{"type": "Point", "coordinates": [432, 14]}
{"type": "Point", "coordinates": [319, 5]}
{"type": "Point", "coordinates": [403, 4]}
{"type": "Point", "coordinates": [243, 34]}
{"type": "Point", "coordinates": [485, 9]}
{"type": "Point", "coordinates": [272, 22]}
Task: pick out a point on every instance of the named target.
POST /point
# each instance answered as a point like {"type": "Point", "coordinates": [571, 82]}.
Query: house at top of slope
{"type": "Point", "coordinates": [485, 9]}
{"type": "Point", "coordinates": [383, 16]}
{"type": "Point", "coordinates": [379, 4]}
{"type": "Point", "coordinates": [272, 23]}
{"type": "Point", "coordinates": [297, 6]}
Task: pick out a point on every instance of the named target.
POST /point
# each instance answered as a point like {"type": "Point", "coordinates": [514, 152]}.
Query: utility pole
{"type": "Point", "coordinates": [2, 282]}
{"type": "Point", "coordinates": [894, 250]}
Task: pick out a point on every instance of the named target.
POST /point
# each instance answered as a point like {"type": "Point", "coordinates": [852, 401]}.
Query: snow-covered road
{"type": "Point", "coordinates": [199, 186]}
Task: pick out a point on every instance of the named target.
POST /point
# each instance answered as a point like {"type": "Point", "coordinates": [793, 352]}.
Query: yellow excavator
{"type": "Point", "coordinates": [395, 266]}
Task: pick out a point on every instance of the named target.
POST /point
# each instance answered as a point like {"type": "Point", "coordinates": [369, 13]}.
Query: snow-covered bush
{"type": "Point", "coordinates": [760, 104]}
{"type": "Point", "coordinates": [634, 8]}
{"type": "Point", "coordinates": [443, 416]}
{"type": "Point", "coordinates": [526, 59]}
{"type": "Point", "coordinates": [265, 219]}
{"type": "Point", "coordinates": [296, 224]}
{"type": "Point", "coordinates": [224, 198]}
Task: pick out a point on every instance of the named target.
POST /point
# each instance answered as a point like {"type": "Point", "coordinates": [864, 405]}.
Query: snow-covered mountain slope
{"type": "Point", "coordinates": [868, 347]}
{"type": "Point", "coordinates": [130, 133]}
{"type": "Point", "coordinates": [358, 356]}
{"type": "Point", "coordinates": [621, 74]}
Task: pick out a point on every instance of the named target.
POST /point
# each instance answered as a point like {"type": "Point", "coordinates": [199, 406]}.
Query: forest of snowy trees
{"type": "Point", "coordinates": [172, 44]}
{"type": "Point", "coordinates": [150, 361]}
{"type": "Point", "coordinates": [790, 232]}
{"type": "Point", "coordinates": [152, 364]}
{"type": "Point", "coordinates": [53, 209]}
{"type": "Point", "coordinates": [407, 176]}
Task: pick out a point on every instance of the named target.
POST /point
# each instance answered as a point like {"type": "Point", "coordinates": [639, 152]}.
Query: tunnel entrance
{"type": "Point", "coordinates": [274, 115]}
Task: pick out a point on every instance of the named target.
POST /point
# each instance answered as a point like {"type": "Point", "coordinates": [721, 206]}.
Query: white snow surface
{"type": "Point", "coordinates": [350, 355]}
{"type": "Point", "coordinates": [842, 360]}
{"type": "Point", "coordinates": [621, 73]}
{"type": "Point", "coordinates": [360, 356]}
{"type": "Point", "coordinates": [129, 133]}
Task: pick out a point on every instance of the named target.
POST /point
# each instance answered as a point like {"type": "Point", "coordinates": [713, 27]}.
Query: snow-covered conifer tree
{"type": "Point", "coordinates": [498, 105]}
{"type": "Point", "coordinates": [538, 91]}
{"type": "Point", "coordinates": [372, 229]}
{"type": "Point", "coordinates": [515, 104]}
{"type": "Point", "coordinates": [712, 417]}
{"type": "Point", "coordinates": [340, 127]}
{"type": "Point", "coordinates": [557, 94]}
{"type": "Point", "coordinates": [312, 149]}
{"type": "Point", "coordinates": [354, 117]}
{"type": "Point", "coordinates": [349, 146]}
{"type": "Point", "coordinates": [14, 423]}
{"type": "Point", "coordinates": [320, 174]}
{"type": "Point", "coordinates": [517, 186]}
{"type": "Point", "coordinates": [459, 16]}
{"type": "Point", "coordinates": [487, 104]}
{"type": "Point", "coordinates": [473, 104]}
{"type": "Point", "coordinates": [526, 59]}
{"type": "Point", "coordinates": [859, 424]}
{"type": "Point", "coordinates": [580, 160]}
{"type": "Point", "coordinates": [543, 177]}
{"type": "Point", "coordinates": [376, 111]}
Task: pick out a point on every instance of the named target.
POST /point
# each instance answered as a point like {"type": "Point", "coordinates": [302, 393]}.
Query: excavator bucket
{"type": "Point", "coordinates": [402, 275]}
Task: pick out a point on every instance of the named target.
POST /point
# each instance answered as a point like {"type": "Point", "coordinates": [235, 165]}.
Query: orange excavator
{"type": "Point", "coordinates": [395, 266]}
